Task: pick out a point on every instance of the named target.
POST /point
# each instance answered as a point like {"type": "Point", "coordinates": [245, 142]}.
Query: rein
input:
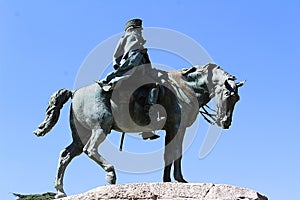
{"type": "Point", "coordinates": [211, 118]}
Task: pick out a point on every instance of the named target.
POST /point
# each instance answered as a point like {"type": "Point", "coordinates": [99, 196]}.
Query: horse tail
{"type": "Point", "coordinates": [56, 102]}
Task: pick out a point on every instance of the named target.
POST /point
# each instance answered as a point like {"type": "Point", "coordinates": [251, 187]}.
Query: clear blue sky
{"type": "Point", "coordinates": [44, 43]}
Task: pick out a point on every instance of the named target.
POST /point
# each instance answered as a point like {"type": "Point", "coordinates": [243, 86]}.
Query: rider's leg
{"type": "Point", "coordinates": [108, 78]}
{"type": "Point", "coordinates": [152, 99]}
{"type": "Point", "coordinates": [126, 66]}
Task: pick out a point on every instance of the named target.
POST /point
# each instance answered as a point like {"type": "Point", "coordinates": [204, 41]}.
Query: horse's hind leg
{"type": "Point", "coordinates": [65, 158]}
{"type": "Point", "coordinates": [91, 149]}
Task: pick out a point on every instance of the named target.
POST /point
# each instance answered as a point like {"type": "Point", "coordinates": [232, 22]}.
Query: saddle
{"type": "Point", "coordinates": [137, 91]}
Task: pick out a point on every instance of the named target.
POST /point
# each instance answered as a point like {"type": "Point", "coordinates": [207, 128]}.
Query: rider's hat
{"type": "Point", "coordinates": [133, 23]}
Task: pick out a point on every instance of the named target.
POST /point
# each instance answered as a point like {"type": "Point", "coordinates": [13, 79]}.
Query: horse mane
{"type": "Point", "coordinates": [190, 74]}
{"type": "Point", "coordinates": [204, 79]}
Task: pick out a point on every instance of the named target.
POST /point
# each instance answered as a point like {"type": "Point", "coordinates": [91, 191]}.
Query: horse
{"type": "Point", "coordinates": [94, 113]}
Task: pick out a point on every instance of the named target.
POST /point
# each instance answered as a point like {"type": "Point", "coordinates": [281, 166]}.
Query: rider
{"type": "Point", "coordinates": [130, 53]}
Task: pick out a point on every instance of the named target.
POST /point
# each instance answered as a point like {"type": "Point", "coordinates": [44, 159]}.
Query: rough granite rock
{"type": "Point", "coordinates": [179, 191]}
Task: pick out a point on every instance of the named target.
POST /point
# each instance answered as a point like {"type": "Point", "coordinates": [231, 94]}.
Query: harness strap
{"type": "Point", "coordinates": [206, 115]}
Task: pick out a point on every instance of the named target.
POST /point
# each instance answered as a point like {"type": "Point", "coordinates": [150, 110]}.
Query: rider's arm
{"type": "Point", "coordinates": [118, 53]}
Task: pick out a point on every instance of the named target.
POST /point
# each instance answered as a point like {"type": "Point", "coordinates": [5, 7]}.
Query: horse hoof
{"type": "Point", "coordinates": [181, 180]}
{"type": "Point", "coordinates": [111, 177]}
{"type": "Point", "coordinates": [60, 195]}
{"type": "Point", "coordinates": [167, 180]}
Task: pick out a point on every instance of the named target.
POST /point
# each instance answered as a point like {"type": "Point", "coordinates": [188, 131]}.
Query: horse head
{"type": "Point", "coordinates": [215, 82]}
{"type": "Point", "coordinates": [226, 96]}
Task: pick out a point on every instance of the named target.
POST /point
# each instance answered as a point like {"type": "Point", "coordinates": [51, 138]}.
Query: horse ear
{"type": "Point", "coordinates": [189, 70]}
{"type": "Point", "coordinates": [240, 84]}
{"type": "Point", "coordinates": [227, 85]}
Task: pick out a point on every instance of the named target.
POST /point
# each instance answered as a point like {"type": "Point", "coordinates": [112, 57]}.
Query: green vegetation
{"type": "Point", "coordinates": [45, 196]}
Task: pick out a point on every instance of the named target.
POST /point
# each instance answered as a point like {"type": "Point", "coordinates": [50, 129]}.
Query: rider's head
{"type": "Point", "coordinates": [134, 24]}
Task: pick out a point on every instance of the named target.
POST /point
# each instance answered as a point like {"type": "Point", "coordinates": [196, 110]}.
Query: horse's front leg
{"type": "Point", "coordinates": [173, 154]}
{"type": "Point", "coordinates": [178, 157]}
{"type": "Point", "coordinates": [178, 172]}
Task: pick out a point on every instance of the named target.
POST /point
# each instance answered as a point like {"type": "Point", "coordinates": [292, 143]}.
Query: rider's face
{"type": "Point", "coordinates": [139, 30]}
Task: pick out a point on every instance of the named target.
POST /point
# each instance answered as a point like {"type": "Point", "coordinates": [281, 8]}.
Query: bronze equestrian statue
{"type": "Point", "coordinates": [184, 92]}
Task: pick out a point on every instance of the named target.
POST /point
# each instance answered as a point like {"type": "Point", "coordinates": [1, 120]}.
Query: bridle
{"type": "Point", "coordinates": [211, 118]}
{"type": "Point", "coordinates": [215, 117]}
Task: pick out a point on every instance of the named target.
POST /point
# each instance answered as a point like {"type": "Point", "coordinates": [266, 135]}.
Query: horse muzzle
{"type": "Point", "coordinates": [224, 123]}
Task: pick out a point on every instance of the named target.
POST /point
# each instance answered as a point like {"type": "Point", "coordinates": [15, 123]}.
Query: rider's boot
{"type": "Point", "coordinates": [149, 135]}
{"type": "Point", "coordinates": [153, 97]}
